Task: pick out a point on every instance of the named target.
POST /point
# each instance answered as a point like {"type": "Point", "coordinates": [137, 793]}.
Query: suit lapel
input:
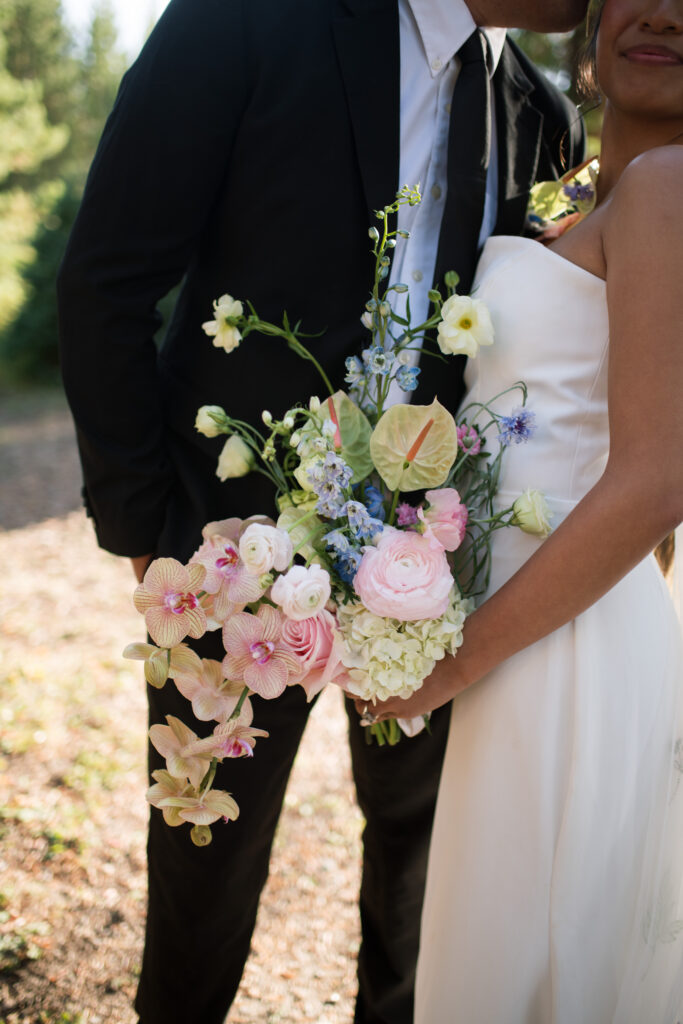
{"type": "Point", "coordinates": [519, 127]}
{"type": "Point", "coordinates": [367, 39]}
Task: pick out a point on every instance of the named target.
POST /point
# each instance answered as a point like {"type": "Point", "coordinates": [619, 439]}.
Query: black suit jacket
{"type": "Point", "coordinates": [248, 146]}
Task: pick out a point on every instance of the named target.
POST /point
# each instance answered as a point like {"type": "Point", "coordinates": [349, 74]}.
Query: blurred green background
{"type": "Point", "coordinates": [55, 93]}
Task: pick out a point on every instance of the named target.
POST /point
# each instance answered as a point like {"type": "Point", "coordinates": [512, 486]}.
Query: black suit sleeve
{"type": "Point", "coordinates": [155, 178]}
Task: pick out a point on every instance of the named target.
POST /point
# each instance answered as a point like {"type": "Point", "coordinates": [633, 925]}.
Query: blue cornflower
{"type": "Point", "coordinates": [579, 193]}
{"type": "Point", "coordinates": [519, 426]}
{"type": "Point", "coordinates": [361, 522]}
{"type": "Point", "coordinates": [406, 378]}
{"type": "Point", "coordinates": [374, 502]}
{"type": "Point", "coordinates": [377, 360]}
{"type": "Point", "coordinates": [355, 371]}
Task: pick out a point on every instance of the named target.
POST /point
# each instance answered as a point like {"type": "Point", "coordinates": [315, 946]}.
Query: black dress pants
{"type": "Point", "coordinates": [203, 901]}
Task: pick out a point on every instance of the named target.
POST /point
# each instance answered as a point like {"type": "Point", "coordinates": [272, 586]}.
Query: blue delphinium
{"type": "Point", "coordinates": [518, 427]}
{"type": "Point", "coordinates": [346, 558]}
{"type": "Point", "coordinates": [330, 480]}
{"type": "Point", "coordinates": [363, 525]}
{"type": "Point", "coordinates": [377, 360]}
{"type": "Point", "coordinates": [406, 378]}
{"type": "Point", "coordinates": [374, 502]}
{"type": "Point", "coordinates": [355, 371]}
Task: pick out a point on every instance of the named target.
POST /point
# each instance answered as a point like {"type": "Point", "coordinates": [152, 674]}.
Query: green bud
{"type": "Point", "coordinates": [452, 279]}
{"type": "Point", "coordinates": [434, 295]}
{"type": "Point", "coordinates": [266, 580]}
{"type": "Point", "coordinates": [156, 669]}
{"type": "Point", "coordinates": [373, 234]}
{"type": "Point", "coordinates": [384, 309]}
{"type": "Point", "coordinates": [402, 233]}
{"type": "Point", "coordinates": [201, 835]}
{"type": "Point", "coordinates": [391, 243]}
{"type": "Point", "coordinates": [400, 289]}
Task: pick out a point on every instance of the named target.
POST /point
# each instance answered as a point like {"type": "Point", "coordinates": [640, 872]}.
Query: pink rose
{"type": "Point", "coordinates": [312, 640]}
{"type": "Point", "coordinates": [406, 576]}
{"type": "Point", "coordinates": [446, 517]}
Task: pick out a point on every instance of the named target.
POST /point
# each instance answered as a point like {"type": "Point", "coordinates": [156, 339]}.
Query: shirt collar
{"type": "Point", "coordinates": [444, 25]}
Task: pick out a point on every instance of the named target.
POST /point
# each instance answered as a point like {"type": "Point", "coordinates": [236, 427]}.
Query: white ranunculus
{"type": "Point", "coordinates": [465, 327]}
{"type": "Point", "coordinates": [208, 421]}
{"type": "Point", "coordinates": [222, 328]}
{"type": "Point", "coordinates": [531, 514]}
{"type": "Point", "coordinates": [303, 592]}
{"type": "Point", "coordinates": [236, 459]}
{"type": "Point", "coordinates": [263, 548]}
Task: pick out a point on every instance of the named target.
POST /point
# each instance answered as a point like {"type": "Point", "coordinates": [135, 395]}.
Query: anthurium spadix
{"type": "Point", "coordinates": [414, 446]}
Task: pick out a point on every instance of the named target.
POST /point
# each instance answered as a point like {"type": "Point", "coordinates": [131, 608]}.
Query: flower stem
{"type": "Point", "coordinates": [238, 707]}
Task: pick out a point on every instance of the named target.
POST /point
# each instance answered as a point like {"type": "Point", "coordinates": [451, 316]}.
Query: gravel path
{"type": "Point", "coordinates": [72, 781]}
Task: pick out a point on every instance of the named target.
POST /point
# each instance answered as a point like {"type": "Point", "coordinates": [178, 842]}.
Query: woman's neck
{"type": "Point", "coordinates": [624, 138]}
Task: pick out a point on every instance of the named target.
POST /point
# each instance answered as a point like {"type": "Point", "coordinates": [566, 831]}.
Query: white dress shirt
{"type": "Point", "coordinates": [431, 33]}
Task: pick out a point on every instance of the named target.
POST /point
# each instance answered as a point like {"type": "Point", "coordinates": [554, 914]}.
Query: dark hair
{"type": "Point", "coordinates": [587, 76]}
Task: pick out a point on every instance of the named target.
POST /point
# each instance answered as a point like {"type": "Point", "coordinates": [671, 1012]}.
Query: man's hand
{"type": "Point", "coordinates": [140, 565]}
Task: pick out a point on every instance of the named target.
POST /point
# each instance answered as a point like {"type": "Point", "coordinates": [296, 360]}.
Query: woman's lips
{"type": "Point", "coordinates": [654, 56]}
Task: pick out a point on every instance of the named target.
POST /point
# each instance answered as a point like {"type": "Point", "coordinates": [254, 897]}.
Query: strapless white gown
{"type": "Point", "coordinates": [555, 883]}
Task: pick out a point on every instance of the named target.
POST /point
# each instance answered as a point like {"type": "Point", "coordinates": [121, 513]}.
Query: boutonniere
{"type": "Point", "coordinates": [555, 206]}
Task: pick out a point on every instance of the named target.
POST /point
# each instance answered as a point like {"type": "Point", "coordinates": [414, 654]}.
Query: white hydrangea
{"type": "Point", "coordinates": [387, 658]}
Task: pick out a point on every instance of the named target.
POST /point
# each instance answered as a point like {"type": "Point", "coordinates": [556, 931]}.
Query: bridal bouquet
{"type": "Point", "coordinates": [368, 573]}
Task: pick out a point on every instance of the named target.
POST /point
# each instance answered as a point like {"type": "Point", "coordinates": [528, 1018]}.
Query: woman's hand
{"type": "Point", "coordinates": [440, 687]}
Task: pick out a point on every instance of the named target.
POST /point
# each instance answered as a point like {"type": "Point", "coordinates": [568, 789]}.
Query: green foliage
{"type": "Point", "coordinates": [44, 160]}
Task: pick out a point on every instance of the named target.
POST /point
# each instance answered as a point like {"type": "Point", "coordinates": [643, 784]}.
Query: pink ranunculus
{"type": "Point", "coordinates": [446, 517]}
{"type": "Point", "coordinates": [312, 640]}
{"type": "Point", "coordinates": [406, 577]}
{"type": "Point", "coordinates": [256, 652]}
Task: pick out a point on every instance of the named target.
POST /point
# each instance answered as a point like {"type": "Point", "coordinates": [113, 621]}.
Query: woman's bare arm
{"type": "Point", "coordinates": [639, 499]}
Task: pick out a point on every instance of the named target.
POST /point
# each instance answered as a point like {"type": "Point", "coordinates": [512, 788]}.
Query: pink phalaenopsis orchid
{"type": "Point", "coordinates": [229, 583]}
{"type": "Point", "coordinates": [213, 697]}
{"type": "Point", "coordinates": [230, 739]}
{"type": "Point", "coordinates": [167, 787]}
{"type": "Point", "coordinates": [202, 808]}
{"type": "Point", "coordinates": [174, 743]}
{"type": "Point", "coordinates": [168, 597]}
{"type": "Point", "coordinates": [256, 653]}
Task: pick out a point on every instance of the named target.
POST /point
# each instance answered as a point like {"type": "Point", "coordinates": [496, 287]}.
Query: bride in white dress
{"type": "Point", "coordinates": [555, 884]}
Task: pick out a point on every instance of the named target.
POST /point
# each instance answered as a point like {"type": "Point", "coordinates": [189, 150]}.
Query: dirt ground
{"type": "Point", "coordinates": [72, 779]}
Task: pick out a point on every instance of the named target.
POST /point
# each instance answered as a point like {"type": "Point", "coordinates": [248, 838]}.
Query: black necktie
{"type": "Point", "coordinates": [469, 148]}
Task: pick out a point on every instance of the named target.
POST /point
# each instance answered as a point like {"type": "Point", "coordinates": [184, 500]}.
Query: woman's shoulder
{"type": "Point", "coordinates": [653, 181]}
{"type": "Point", "coordinates": [645, 214]}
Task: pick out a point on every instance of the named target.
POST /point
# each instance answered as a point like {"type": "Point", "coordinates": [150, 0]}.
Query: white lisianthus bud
{"type": "Point", "coordinates": [465, 327]}
{"type": "Point", "coordinates": [314, 404]}
{"type": "Point", "coordinates": [303, 592]}
{"type": "Point", "coordinates": [384, 309]}
{"type": "Point", "coordinates": [236, 459]}
{"type": "Point", "coordinates": [211, 421]}
{"type": "Point", "coordinates": [366, 320]}
{"type": "Point", "coordinates": [263, 548]}
{"type": "Point", "coordinates": [267, 418]}
{"type": "Point", "coordinates": [531, 514]}
{"type": "Point", "coordinates": [226, 312]}
{"type": "Point", "coordinates": [295, 440]}
{"type": "Point", "coordinates": [288, 422]}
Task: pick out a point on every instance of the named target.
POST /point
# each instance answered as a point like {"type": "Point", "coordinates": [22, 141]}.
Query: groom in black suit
{"type": "Point", "coordinates": [247, 150]}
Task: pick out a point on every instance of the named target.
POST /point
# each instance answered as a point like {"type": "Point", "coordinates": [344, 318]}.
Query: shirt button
{"type": "Point", "coordinates": [417, 275]}
{"type": "Point", "coordinates": [437, 64]}
{"type": "Point", "coordinates": [436, 191]}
